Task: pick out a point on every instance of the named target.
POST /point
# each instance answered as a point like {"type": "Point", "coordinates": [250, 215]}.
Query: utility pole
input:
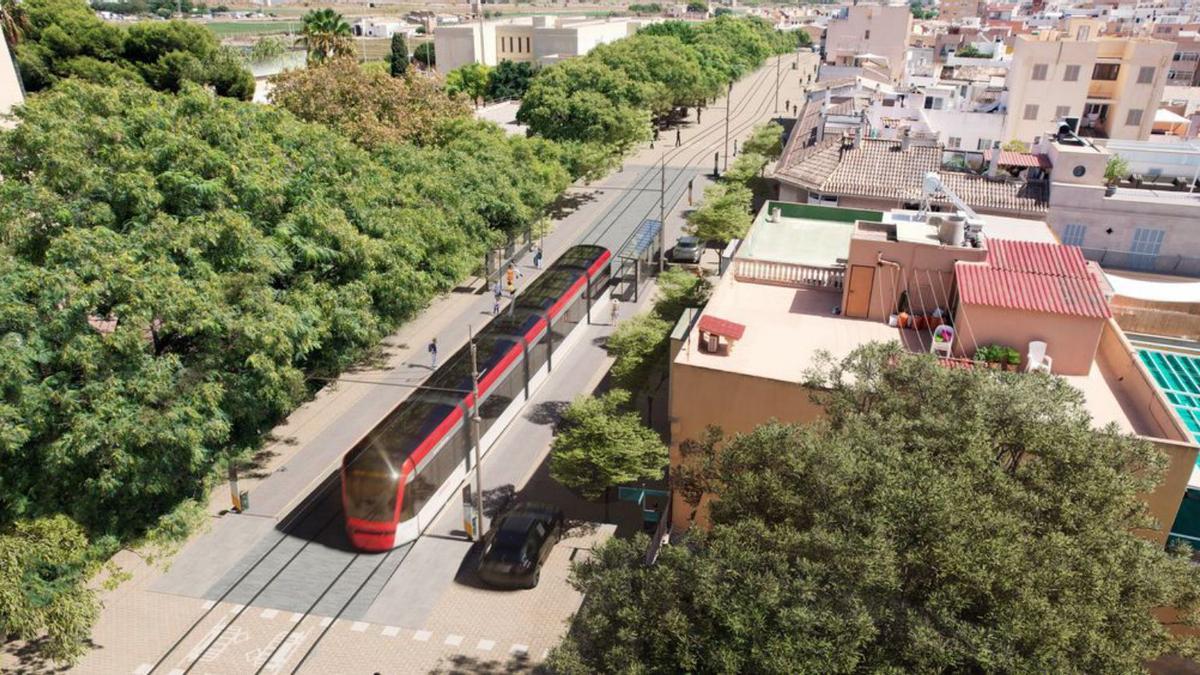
{"type": "Point", "coordinates": [777, 60]}
{"type": "Point", "coordinates": [728, 104]}
{"type": "Point", "coordinates": [662, 210]}
{"type": "Point", "coordinates": [474, 427]}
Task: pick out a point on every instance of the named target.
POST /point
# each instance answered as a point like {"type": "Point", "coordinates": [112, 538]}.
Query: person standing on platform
{"type": "Point", "coordinates": [433, 354]}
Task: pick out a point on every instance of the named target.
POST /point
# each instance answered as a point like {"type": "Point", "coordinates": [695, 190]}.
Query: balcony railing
{"type": "Point", "coordinates": [788, 274]}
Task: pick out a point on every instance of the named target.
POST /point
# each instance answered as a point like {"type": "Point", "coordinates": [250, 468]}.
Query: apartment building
{"type": "Point", "coordinates": [1111, 84]}
{"type": "Point", "coordinates": [1148, 222]}
{"type": "Point", "coordinates": [540, 39]}
{"type": "Point", "coordinates": [1184, 69]}
{"type": "Point", "coordinates": [877, 32]}
{"type": "Point", "coordinates": [11, 92]}
{"type": "Point", "coordinates": [957, 11]}
{"type": "Point", "coordinates": [809, 280]}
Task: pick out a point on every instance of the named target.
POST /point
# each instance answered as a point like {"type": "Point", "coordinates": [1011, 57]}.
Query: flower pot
{"type": "Point", "coordinates": [903, 319]}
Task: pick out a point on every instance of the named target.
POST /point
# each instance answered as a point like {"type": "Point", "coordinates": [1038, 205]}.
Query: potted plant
{"type": "Point", "coordinates": [987, 354]}
{"type": "Point", "coordinates": [1116, 169]}
{"type": "Point", "coordinates": [1013, 358]}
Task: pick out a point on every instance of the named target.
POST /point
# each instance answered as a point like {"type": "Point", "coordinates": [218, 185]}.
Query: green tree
{"type": "Point", "coordinates": [398, 56]}
{"type": "Point", "coordinates": [509, 80]}
{"type": "Point", "coordinates": [470, 80]}
{"type": "Point", "coordinates": [371, 108]}
{"type": "Point", "coordinates": [724, 215]}
{"type": "Point", "coordinates": [639, 346]}
{"type": "Point", "coordinates": [425, 55]}
{"type": "Point", "coordinates": [1015, 145]}
{"type": "Point", "coordinates": [678, 289]}
{"type": "Point", "coordinates": [765, 140]}
{"type": "Point", "coordinates": [43, 566]}
{"type": "Point", "coordinates": [893, 537]}
{"type": "Point", "coordinates": [325, 35]}
{"type": "Point", "coordinates": [600, 446]}
{"type": "Point", "coordinates": [584, 100]}
{"type": "Point", "coordinates": [698, 7]}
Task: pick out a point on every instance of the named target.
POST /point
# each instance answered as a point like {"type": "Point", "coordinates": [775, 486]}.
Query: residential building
{"type": "Point", "coordinates": [11, 92]}
{"type": "Point", "coordinates": [540, 39]}
{"type": "Point", "coordinates": [876, 31]}
{"type": "Point", "coordinates": [382, 27]}
{"type": "Point", "coordinates": [811, 280]}
{"type": "Point", "coordinates": [1148, 222]}
{"type": "Point", "coordinates": [1184, 70]}
{"type": "Point", "coordinates": [1112, 85]}
{"type": "Point", "coordinates": [956, 11]}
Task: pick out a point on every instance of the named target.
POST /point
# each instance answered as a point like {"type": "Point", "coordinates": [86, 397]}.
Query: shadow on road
{"type": "Point", "coordinates": [320, 518]}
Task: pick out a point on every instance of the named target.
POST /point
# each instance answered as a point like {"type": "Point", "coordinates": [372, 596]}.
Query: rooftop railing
{"type": "Point", "coordinates": [788, 274]}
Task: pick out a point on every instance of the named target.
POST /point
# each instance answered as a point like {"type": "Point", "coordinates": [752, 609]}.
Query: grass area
{"type": "Point", "coordinates": [224, 29]}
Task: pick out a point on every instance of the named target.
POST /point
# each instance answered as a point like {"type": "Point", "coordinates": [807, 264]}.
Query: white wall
{"type": "Point", "coordinates": [970, 127]}
{"type": "Point", "coordinates": [10, 86]}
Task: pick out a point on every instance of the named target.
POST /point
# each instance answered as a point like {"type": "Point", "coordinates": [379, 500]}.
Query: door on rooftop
{"type": "Point", "coordinates": [858, 291]}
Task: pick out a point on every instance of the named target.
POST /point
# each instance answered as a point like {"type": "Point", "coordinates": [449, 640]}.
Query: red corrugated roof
{"type": "Point", "coordinates": [1027, 159]}
{"type": "Point", "coordinates": [1031, 276]}
{"type": "Point", "coordinates": [726, 329]}
{"type": "Point", "coordinates": [1036, 258]}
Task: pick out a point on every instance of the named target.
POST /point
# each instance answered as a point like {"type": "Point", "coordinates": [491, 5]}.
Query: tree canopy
{"type": "Point", "coordinates": [325, 34]}
{"type": "Point", "coordinates": [601, 445]}
{"type": "Point", "coordinates": [509, 80]}
{"type": "Point", "coordinates": [398, 56]}
{"type": "Point", "coordinates": [370, 107]}
{"type": "Point", "coordinates": [425, 55]}
{"type": "Point", "coordinates": [940, 520]}
{"type": "Point", "coordinates": [65, 38]}
{"type": "Point", "coordinates": [470, 80]}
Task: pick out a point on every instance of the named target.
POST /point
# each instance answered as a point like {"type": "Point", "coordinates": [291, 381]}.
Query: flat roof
{"type": "Point", "coordinates": [803, 234]}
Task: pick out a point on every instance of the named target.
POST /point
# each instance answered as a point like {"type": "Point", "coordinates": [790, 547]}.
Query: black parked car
{"type": "Point", "coordinates": [519, 543]}
{"type": "Point", "coordinates": [687, 249]}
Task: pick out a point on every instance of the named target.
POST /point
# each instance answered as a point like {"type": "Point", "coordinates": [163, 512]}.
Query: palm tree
{"type": "Point", "coordinates": [326, 34]}
{"type": "Point", "coordinates": [13, 21]}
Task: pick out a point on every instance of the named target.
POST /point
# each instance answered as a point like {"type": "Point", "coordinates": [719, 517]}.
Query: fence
{"type": "Point", "coordinates": [788, 274]}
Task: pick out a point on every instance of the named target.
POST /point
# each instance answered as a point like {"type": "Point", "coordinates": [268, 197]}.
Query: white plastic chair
{"type": "Point", "coordinates": [943, 341]}
{"type": "Point", "coordinates": [1037, 359]}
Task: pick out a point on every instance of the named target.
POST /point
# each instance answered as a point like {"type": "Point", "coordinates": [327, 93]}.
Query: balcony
{"type": "Point", "coordinates": [788, 274]}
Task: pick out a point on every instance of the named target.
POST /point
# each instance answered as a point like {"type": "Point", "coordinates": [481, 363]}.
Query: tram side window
{"type": "Point", "coordinates": [433, 472]}
{"type": "Point", "coordinates": [565, 322]}
{"type": "Point", "coordinates": [537, 354]}
{"type": "Point", "coordinates": [507, 387]}
{"type": "Point", "coordinates": [601, 281]}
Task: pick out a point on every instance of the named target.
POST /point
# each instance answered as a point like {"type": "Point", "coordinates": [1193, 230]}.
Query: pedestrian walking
{"type": "Point", "coordinates": [496, 306]}
{"type": "Point", "coordinates": [537, 257]}
{"type": "Point", "coordinates": [656, 133]}
{"type": "Point", "coordinates": [433, 354]}
{"type": "Point", "coordinates": [510, 277]}
{"type": "Point", "coordinates": [616, 310]}
{"type": "Point", "coordinates": [497, 290]}
{"type": "Point", "coordinates": [678, 137]}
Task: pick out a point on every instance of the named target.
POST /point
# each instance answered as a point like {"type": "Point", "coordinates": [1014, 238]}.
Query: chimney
{"type": "Point", "coordinates": [994, 165]}
{"type": "Point", "coordinates": [904, 140]}
{"type": "Point", "coordinates": [856, 139]}
{"type": "Point", "coordinates": [828, 99]}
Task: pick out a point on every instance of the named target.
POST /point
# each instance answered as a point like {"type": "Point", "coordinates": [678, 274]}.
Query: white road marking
{"type": "Point", "coordinates": [237, 608]}
{"type": "Point", "coordinates": [454, 640]}
{"type": "Point", "coordinates": [258, 657]}
{"type": "Point", "coordinates": [281, 657]}
{"type": "Point", "coordinates": [177, 671]}
{"type": "Point", "coordinates": [485, 645]}
{"type": "Point", "coordinates": [296, 616]}
{"type": "Point", "coordinates": [360, 626]}
{"type": "Point", "coordinates": [209, 604]}
{"type": "Point", "coordinates": [326, 621]}
{"type": "Point", "coordinates": [519, 650]}
{"type": "Point", "coordinates": [143, 669]}
{"type": "Point", "coordinates": [204, 642]}
{"type": "Point", "coordinates": [269, 613]}
{"type": "Point", "coordinates": [422, 636]}
{"type": "Point", "coordinates": [390, 631]}
{"type": "Point", "coordinates": [235, 635]}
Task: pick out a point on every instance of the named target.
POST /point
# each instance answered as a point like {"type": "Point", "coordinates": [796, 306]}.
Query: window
{"type": "Point", "coordinates": [1144, 252]}
{"type": "Point", "coordinates": [1106, 71]}
{"type": "Point", "coordinates": [1083, 33]}
{"type": "Point", "coordinates": [1073, 234]}
{"type": "Point", "coordinates": [1062, 111]}
{"type": "Point", "coordinates": [933, 103]}
{"type": "Point", "coordinates": [1071, 74]}
{"type": "Point", "coordinates": [954, 142]}
{"type": "Point", "coordinates": [1039, 71]}
{"type": "Point", "coordinates": [867, 35]}
{"type": "Point", "coordinates": [1146, 75]}
{"type": "Point", "coordinates": [1031, 111]}
{"type": "Point", "coordinates": [1133, 118]}
{"type": "Point", "coordinates": [983, 144]}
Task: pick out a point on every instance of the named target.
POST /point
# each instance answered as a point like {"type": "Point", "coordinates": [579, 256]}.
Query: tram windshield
{"type": "Point", "coordinates": [370, 489]}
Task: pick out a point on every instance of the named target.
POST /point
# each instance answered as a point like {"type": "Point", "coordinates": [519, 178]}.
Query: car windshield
{"type": "Point", "coordinates": [509, 543]}
{"type": "Point", "coordinates": [688, 242]}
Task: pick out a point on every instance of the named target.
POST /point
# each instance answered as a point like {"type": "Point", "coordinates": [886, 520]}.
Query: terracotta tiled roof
{"type": "Point", "coordinates": [880, 169]}
{"type": "Point", "coordinates": [1032, 276]}
{"type": "Point", "coordinates": [722, 327]}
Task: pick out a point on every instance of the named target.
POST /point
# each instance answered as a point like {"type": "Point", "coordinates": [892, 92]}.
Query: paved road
{"type": "Point", "coordinates": [286, 560]}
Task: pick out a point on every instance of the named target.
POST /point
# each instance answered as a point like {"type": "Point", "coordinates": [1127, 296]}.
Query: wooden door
{"type": "Point", "coordinates": [858, 291]}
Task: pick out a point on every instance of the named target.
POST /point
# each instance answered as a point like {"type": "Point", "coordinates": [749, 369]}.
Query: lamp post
{"type": "Point", "coordinates": [728, 104]}
{"type": "Point", "coordinates": [474, 431]}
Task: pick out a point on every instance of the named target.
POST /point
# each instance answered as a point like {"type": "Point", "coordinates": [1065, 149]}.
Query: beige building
{"type": "Point", "coordinates": [1113, 85]}
{"type": "Point", "coordinates": [864, 31]}
{"type": "Point", "coordinates": [954, 11]}
{"type": "Point", "coordinates": [11, 93]}
{"type": "Point", "coordinates": [811, 279]}
{"type": "Point", "coordinates": [540, 39]}
{"type": "Point", "coordinates": [1149, 222]}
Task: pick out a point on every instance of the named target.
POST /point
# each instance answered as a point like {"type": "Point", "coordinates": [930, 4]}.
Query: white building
{"type": "Point", "coordinates": [540, 39]}
{"type": "Point", "coordinates": [11, 93]}
{"type": "Point", "coordinates": [377, 27]}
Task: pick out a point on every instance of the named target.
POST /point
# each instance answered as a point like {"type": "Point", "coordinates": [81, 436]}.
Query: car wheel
{"type": "Point", "coordinates": [537, 576]}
